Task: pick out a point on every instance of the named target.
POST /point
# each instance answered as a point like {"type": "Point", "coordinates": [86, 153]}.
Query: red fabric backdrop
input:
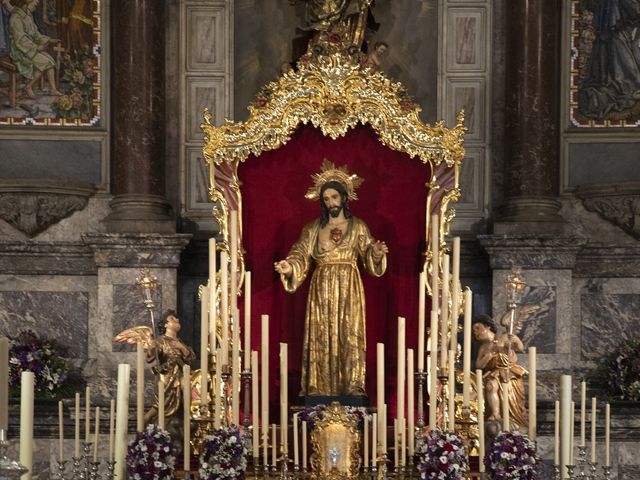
{"type": "Point", "coordinates": [392, 203]}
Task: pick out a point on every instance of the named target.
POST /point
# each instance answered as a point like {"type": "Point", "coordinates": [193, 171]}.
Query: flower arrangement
{"type": "Point", "coordinates": [511, 456]}
{"type": "Point", "coordinates": [622, 371]}
{"type": "Point", "coordinates": [224, 455]}
{"type": "Point", "coordinates": [442, 455]}
{"type": "Point", "coordinates": [151, 455]}
{"type": "Point", "coordinates": [54, 375]}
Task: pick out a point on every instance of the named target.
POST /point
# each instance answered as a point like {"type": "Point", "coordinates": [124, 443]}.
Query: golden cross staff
{"type": "Point", "coordinates": [515, 289]}
{"type": "Point", "coordinates": [148, 283]}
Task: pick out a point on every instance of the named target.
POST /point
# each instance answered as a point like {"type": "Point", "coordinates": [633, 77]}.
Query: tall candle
{"type": "Point", "coordinates": [27, 384]}
{"type": "Point", "coordinates": [233, 291]}
{"type": "Point", "coordinates": [4, 383]}
{"type": "Point", "coordinates": [122, 419]}
{"type": "Point", "coordinates": [444, 313]}
{"type": "Point", "coordinates": [401, 371]}
{"type": "Point", "coordinates": [573, 431]}
{"type": "Point", "coordinates": [421, 319]}
{"type": "Point", "coordinates": [480, 390]}
{"type": "Point", "coordinates": [186, 417]}
{"type": "Point", "coordinates": [212, 260]}
{"type": "Point", "coordinates": [565, 419]}
{"type": "Point", "coordinates": [284, 394]}
{"type": "Point", "coordinates": [212, 293]}
{"type": "Point", "coordinates": [532, 394]}
{"type": "Point", "coordinates": [139, 387]}
{"type": "Point", "coordinates": [556, 439]}
{"type": "Point", "coordinates": [396, 433]}
{"type": "Point", "coordinates": [466, 347]}
{"type": "Point", "coordinates": [435, 260]}
{"type": "Point", "coordinates": [87, 415]}
{"type": "Point", "coordinates": [296, 458]}
{"type": "Point", "coordinates": [61, 430]}
{"type": "Point", "coordinates": [235, 367]}
{"type": "Point", "coordinates": [365, 441]}
{"type": "Point", "coordinates": [433, 373]}
{"type": "Point", "coordinates": [217, 391]}
{"type": "Point", "coordinates": [95, 436]}
{"type": "Point", "coordinates": [112, 428]}
{"type": "Point", "coordinates": [274, 439]}
{"type": "Point", "coordinates": [247, 320]}
{"type": "Point", "coordinates": [403, 443]}
{"type": "Point", "coordinates": [506, 424]}
{"type": "Point", "coordinates": [410, 402]}
{"type": "Point", "coordinates": [204, 346]}
{"type": "Point", "coordinates": [161, 404]}
{"type": "Point", "coordinates": [76, 444]}
{"type": "Point", "coordinates": [594, 409]}
{"type": "Point", "coordinates": [224, 303]}
{"type": "Point", "coordinates": [255, 409]}
{"type": "Point", "coordinates": [384, 428]}
{"type": "Point", "coordinates": [455, 294]}
{"type": "Point", "coordinates": [379, 385]}
{"type": "Point", "coordinates": [452, 392]}
{"type": "Point", "coordinates": [304, 445]}
{"type": "Point", "coordinates": [607, 434]}
{"type": "Point", "coordinates": [374, 439]}
{"type": "Point", "coordinates": [264, 351]}
{"type": "Point", "coordinates": [583, 413]}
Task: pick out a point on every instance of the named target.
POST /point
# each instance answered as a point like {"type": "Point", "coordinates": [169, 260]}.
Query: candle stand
{"type": "Point", "coordinates": [443, 400]}
{"type": "Point", "coordinates": [60, 467]}
{"type": "Point", "coordinates": [77, 468]}
{"type": "Point", "coordinates": [582, 462]}
{"type": "Point", "coordinates": [9, 469]}
{"type": "Point", "coordinates": [246, 422]}
{"type": "Point", "coordinates": [593, 471]}
{"type": "Point", "coordinates": [556, 472]}
{"type": "Point", "coordinates": [284, 466]}
{"type": "Point", "coordinates": [94, 474]}
{"type": "Point", "coordinates": [606, 471]}
{"type": "Point", "coordinates": [85, 470]}
{"type": "Point", "coordinates": [570, 469]}
{"type": "Point", "coordinates": [383, 469]}
{"type": "Point", "coordinates": [111, 466]}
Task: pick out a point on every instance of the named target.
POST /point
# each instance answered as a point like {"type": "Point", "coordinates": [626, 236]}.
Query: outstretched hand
{"type": "Point", "coordinates": [283, 267]}
{"type": "Point", "coordinates": [379, 249]}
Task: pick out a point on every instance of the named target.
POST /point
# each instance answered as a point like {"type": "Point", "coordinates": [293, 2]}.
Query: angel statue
{"type": "Point", "coordinates": [171, 353]}
{"type": "Point", "coordinates": [497, 357]}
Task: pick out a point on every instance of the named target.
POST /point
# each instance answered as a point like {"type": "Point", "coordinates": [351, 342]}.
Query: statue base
{"type": "Point", "coordinates": [345, 400]}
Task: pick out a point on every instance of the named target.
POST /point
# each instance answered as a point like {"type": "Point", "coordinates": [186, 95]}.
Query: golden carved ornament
{"type": "Point", "coordinates": [333, 93]}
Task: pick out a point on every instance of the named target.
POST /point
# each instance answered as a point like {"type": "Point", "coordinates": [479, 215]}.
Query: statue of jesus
{"type": "Point", "coordinates": [333, 360]}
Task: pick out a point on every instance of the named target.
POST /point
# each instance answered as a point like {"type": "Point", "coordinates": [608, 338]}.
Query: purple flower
{"type": "Point", "coordinates": [151, 455]}
{"type": "Point", "coordinates": [511, 456]}
{"type": "Point", "coordinates": [441, 455]}
{"type": "Point", "coordinates": [223, 455]}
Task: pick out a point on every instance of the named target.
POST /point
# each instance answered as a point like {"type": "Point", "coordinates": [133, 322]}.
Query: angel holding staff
{"type": "Point", "coordinates": [171, 353]}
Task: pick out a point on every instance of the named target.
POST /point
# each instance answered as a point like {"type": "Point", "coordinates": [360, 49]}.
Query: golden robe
{"type": "Point", "coordinates": [333, 358]}
{"type": "Point", "coordinates": [501, 370]}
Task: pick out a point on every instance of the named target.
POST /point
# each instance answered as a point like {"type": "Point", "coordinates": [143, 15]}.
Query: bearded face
{"type": "Point", "coordinates": [332, 200]}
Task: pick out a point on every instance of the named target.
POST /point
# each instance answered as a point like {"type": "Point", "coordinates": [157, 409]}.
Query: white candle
{"type": "Point", "coordinates": [573, 431]}
{"type": "Point", "coordinates": [379, 385]}
{"type": "Point", "coordinates": [186, 417]}
{"type": "Point", "coordinates": [204, 343]}
{"type": "Point", "coordinates": [565, 422]}
{"type": "Point", "coordinates": [264, 351]}
{"type": "Point", "coordinates": [403, 443]}
{"type": "Point", "coordinates": [233, 291]}
{"type": "Point", "coordinates": [274, 439]}
{"type": "Point", "coordinates": [122, 419]}
{"type": "Point", "coordinates": [4, 384]}
{"type": "Point", "coordinates": [421, 319]}
{"type": "Point", "coordinates": [95, 436]}
{"type": "Point", "coordinates": [247, 319]}
{"type": "Point", "coordinates": [255, 409]}
{"type": "Point", "coordinates": [583, 413]}
{"type": "Point", "coordinates": [212, 260]}
{"type": "Point", "coordinates": [410, 402]}
{"type": "Point", "coordinates": [444, 313]}
{"type": "Point", "coordinates": [161, 404]}
{"type": "Point", "coordinates": [284, 394]}
{"type": "Point", "coordinates": [556, 440]}
{"type": "Point", "coordinates": [607, 434]}
{"type": "Point", "coordinates": [27, 384]}
{"type": "Point", "coordinates": [304, 445]}
{"type": "Point", "coordinates": [401, 371]}
{"type": "Point", "coordinates": [296, 458]}
{"type": "Point", "coordinates": [61, 430]}
{"type": "Point", "coordinates": [374, 439]}
{"type": "Point", "coordinates": [506, 424]}
{"type": "Point", "coordinates": [435, 260]}
{"type": "Point", "coordinates": [217, 391]}
{"type": "Point", "coordinates": [365, 441]}
{"type": "Point", "coordinates": [433, 373]}
{"type": "Point", "coordinates": [452, 392]}
{"type": "Point", "coordinates": [396, 434]}
{"type": "Point", "coordinates": [76, 445]}
{"type": "Point", "coordinates": [224, 295]}
{"type": "Point", "coordinates": [466, 347]}
{"type": "Point", "coordinates": [594, 409]}
{"type": "Point", "coordinates": [212, 293]}
{"type": "Point", "coordinates": [480, 390]}
{"type": "Point", "coordinates": [384, 428]}
{"type": "Point", "coordinates": [455, 294]}
{"type": "Point", "coordinates": [112, 430]}
{"type": "Point", "coordinates": [235, 367]}
{"type": "Point", "coordinates": [139, 387]}
{"type": "Point", "coordinates": [87, 415]}
{"type": "Point", "coordinates": [532, 394]}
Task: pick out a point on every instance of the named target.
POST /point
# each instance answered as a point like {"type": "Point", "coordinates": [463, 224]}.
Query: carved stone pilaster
{"type": "Point", "coordinates": [618, 204]}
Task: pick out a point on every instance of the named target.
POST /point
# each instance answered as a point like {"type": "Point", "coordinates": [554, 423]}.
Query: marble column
{"type": "Point", "coordinates": [531, 118]}
{"type": "Point", "coordinates": [138, 119]}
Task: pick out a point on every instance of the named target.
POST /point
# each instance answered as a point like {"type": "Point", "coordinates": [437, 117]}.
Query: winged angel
{"type": "Point", "coordinates": [497, 357]}
{"type": "Point", "coordinates": [171, 355]}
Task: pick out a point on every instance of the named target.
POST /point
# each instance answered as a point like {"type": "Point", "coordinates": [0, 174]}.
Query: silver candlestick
{"type": "Point", "coordinates": [111, 466]}
{"type": "Point", "coordinates": [9, 469]}
{"type": "Point", "coordinates": [606, 471]}
{"type": "Point", "coordinates": [60, 467]}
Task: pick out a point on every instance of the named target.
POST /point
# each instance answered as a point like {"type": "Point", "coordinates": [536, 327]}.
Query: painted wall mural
{"type": "Point", "coordinates": [605, 63]}
{"type": "Point", "coordinates": [50, 62]}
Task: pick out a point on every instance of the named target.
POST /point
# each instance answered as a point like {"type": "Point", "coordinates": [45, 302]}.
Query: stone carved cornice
{"type": "Point", "coordinates": [618, 204]}
{"type": "Point", "coordinates": [33, 207]}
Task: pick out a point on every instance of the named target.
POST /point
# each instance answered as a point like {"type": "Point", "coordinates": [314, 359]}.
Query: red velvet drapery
{"type": "Point", "coordinates": [391, 201]}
